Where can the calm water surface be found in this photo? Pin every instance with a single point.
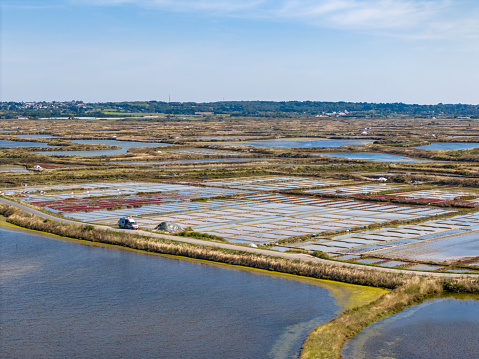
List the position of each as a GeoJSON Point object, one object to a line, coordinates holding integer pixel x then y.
{"type": "Point", "coordinates": [450, 146]}
{"type": "Point", "coordinates": [12, 169]}
{"type": "Point", "coordinates": [34, 136]}
{"type": "Point", "coordinates": [6, 143]}
{"type": "Point", "coordinates": [125, 146]}
{"type": "Point", "coordinates": [439, 329]}
{"type": "Point", "coordinates": [442, 249]}
{"type": "Point", "coordinates": [372, 156]}
{"type": "Point", "coordinates": [64, 300]}
{"type": "Point", "coordinates": [302, 143]}
{"type": "Point", "coordinates": [211, 160]}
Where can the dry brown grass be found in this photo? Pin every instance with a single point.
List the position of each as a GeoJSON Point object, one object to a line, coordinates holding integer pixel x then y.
{"type": "Point", "coordinates": [324, 342]}
{"type": "Point", "coordinates": [359, 276]}
{"type": "Point", "coordinates": [327, 340]}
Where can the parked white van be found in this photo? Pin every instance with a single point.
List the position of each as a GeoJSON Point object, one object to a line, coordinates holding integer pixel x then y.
{"type": "Point", "coordinates": [127, 223]}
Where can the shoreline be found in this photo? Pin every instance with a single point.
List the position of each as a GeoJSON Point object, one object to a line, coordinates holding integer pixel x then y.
{"type": "Point", "coordinates": [346, 297]}
{"type": "Point", "coordinates": [230, 246]}
{"type": "Point", "coordinates": [327, 340]}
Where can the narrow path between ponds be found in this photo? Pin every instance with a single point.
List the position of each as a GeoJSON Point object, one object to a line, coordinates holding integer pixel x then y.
{"type": "Point", "coordinates": [297, 256]}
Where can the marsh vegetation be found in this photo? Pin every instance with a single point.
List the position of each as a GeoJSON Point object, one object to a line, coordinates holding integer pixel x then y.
{"type": "Point", "coordinates": [440, 183]}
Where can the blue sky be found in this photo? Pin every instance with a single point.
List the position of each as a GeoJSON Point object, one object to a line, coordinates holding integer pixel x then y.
{"type": "Point", "coordinates": [422, 51]}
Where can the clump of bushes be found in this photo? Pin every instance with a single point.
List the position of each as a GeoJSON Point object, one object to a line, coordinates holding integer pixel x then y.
{"type": "Point", "coordinates": [320, 254]}
{"type": "Point", "coordinates": [199, 235]}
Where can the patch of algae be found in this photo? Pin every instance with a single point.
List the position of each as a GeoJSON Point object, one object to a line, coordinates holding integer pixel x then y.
{"type": "Point", "coordinates": [346, 296]}
{"type": "Point", "coordinates": [4, 223]}
{"type": "Point", "coordinates": [12, 227]}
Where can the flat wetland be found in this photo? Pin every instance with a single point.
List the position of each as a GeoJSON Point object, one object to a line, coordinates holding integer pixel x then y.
{"type": "Point", "coordinates": [152, 306]}
{"type": "Point", "coordinates": [398, 193]}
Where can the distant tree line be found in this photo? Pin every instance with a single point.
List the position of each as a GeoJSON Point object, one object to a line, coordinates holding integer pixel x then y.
{"type": "Point", "coordinates": [235, 108]}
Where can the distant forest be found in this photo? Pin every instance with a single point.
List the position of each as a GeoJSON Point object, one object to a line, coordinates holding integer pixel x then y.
{"type": "Point", "coordinates": [233, 108]}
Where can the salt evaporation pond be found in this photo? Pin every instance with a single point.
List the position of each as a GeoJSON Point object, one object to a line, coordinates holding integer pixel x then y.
{"type": "Point", "coordinates": [439, 329]}
{"type": "Point", "coordinates": [12, 169]}
{"type": "Point", "coordinates": [125, 146]}
{"type": "Point", "coordinates": [211, 160]}
{"type": "Point", "coordinates": [302, 143]}
{"type": "Point", "coordinates": [372, 156]}
{"type": "Point", "coordinates": [441, 249]}
{"type": "Point", "coordinates": [61, 299]}
{"type": "Point", "coordinates": [450, 146]}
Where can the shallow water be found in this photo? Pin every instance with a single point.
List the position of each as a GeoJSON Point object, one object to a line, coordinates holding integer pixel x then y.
{"type": "Point", "coordinates": [6, 143]}
{"type": "Point", "coordinates": [438, 329]}
{"type": "Point", "coordinates": [34, 136]}
{"type": "Point", "coordinates": [441, 249]}
{"type": "Point", "coordinates": [212, 160]}
{"type": "Point", "coordinates": [63, 299]}
{"type": "Point", "coordinates": [227, 137]}
{"type": "Point", "coordinates": [448, 146]}
{"type": "Point", "coordinates": [125, 146]}
{"type": "Point", "coordinates": [302, 143]}
{"type": "Point", "coordinates": [372, 156]}
{"type": "Point", "coordinates": [12, 169]}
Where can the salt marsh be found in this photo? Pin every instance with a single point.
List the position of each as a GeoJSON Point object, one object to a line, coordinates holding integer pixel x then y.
{"type": "Point", "coordinates": [440, 249]}
{"type": "Point", "coordinates": [247, 210]}
{"type": "Point", "coordinates": [361, 189]}
{"type": "Point", "coordinates": [12, 169]}
{"type": "Point", "coordinates": [255, 215]}
{"type": "Point", "coordinates": [450, 146]}
{"type": "Point", "coordinates": [372, 156]}
{"type": "Point", "coordinates": [125, 146]}
{"type": "Point", "coordinates": [301, 143]}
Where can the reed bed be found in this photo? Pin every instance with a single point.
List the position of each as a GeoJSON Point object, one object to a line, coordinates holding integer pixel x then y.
{"type": "Point", "coordinates": [325, 341]}
{"type": "Point", "coordinates": [359, 276]}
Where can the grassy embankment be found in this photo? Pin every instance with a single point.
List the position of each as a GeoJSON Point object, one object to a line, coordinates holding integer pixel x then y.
{"type": "Point", "coordinates": [327, 340]}
{"type": "Point", "coordinates": [235, 257]}
{"type": "Point", "coordinates": [324, 342]}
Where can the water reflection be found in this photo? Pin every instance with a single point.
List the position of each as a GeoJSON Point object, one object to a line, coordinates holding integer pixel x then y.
{"type": "Point", "coordinates": [6, 143]}
{"type": "Point", "coordinates": [302, 143]}
{"type": "Point", "coordinates": [450, 146]}
{"type": "Point", "coordinates": [442, 328]}
{"type": "Point", "coordinates": [61, 299]}
{"type": "Point", "coordinates": [373, 156]}
{"type": "Point", "coordinates": [125, 146]}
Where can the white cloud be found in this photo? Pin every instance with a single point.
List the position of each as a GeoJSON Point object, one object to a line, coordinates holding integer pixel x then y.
{"type": "Point", "coordinates": [231, 7]}
{"type": "Point", "coordinates": [417, 19]}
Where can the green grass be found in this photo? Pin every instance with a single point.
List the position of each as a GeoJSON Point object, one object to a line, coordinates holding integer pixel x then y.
{"type": "Point", "coordinates": [139, 114]}
{"type": "Point", "coordinates": [324, 342]}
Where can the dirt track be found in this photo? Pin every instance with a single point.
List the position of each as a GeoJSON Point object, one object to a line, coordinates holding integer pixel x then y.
{"type": "Point", "coordinates": [302, 257]}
